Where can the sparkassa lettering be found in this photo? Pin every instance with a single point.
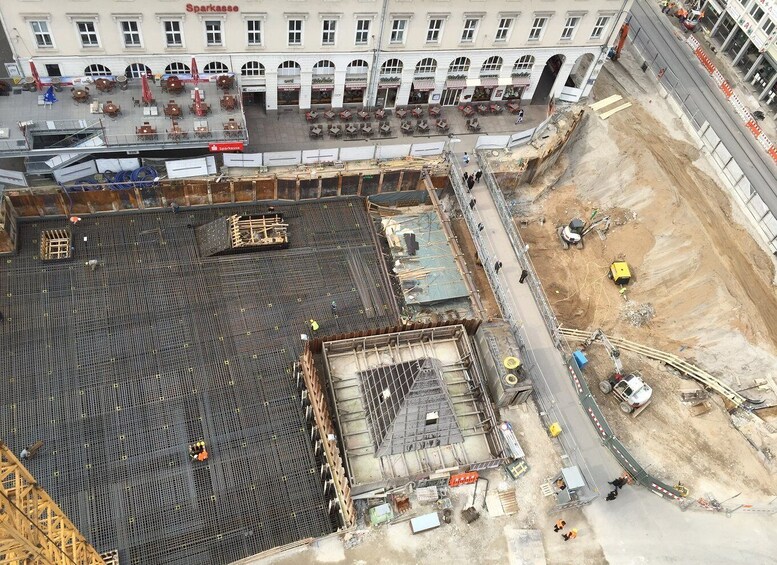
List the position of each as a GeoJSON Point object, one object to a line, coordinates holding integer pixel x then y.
{"type": "Point", "coordinates": [211, 8]}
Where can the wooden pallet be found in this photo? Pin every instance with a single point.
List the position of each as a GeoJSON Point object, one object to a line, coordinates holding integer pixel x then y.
{"type": "Point", "coordinates": [508, 501]}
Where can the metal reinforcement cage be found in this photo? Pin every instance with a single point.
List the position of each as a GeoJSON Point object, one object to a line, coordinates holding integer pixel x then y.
{"type": "Point", "coordinates": [122, 367]}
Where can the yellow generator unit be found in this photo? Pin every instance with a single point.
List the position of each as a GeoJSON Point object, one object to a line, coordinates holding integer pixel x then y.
{"type": "Point", "coordinates": [620, 272]}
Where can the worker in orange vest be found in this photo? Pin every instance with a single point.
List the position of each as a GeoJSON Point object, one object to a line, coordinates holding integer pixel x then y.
{"type": "Point", "coordinates": [560, 523]}
{"type": "Point", "coordinates": [571, 535]}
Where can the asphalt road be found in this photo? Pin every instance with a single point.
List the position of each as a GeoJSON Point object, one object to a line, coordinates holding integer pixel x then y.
{"type": "Point", "coordinates": [759, 168]}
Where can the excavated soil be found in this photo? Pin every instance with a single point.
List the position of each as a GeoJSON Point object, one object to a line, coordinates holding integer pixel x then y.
{"type": "Point", "coordinates": [707, 279]}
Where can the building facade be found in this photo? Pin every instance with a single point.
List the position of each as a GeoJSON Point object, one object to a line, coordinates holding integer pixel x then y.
{"type": "Point", "coordinates": [746, 31]}
{"type": "Point", "coordinates": [329, 52]}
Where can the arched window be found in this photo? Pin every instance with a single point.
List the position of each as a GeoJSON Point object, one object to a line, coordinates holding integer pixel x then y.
{"type": "Point", "coordinates": [252, 69]}
{"type": "Point", "coordinates": [289, 68]}
{"type": "Point", "coordinates": [357, 67]}
{"type": "Point", "coordinates": [137, 70]}
{"type": "Point", "coordinates": [460, 65]}
{"type": "Point", "coordinates": [426, 66]}
{"type": "Point", "coordinates": [97, 71]}
{"type": "Point", "coordinates": [492, 64]}
{"type": "Point", "coordinates": [324, 68]}
{"type": "Point", "coordinates": [177, 69]}
{"type": "Point", "coordinates": [215, 67]}
{"type": "Point", "coordinates": [523, 64]}
{"type": "Point", "coordinates": [391, 67]}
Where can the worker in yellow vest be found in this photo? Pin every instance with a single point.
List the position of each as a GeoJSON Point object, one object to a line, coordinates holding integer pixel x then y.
{"type": "Point", "coordinates": [313, 326]}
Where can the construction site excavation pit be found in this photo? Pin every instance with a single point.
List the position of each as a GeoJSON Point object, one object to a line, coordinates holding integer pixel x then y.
{"type": "Point", "coordinates": [119, 365]}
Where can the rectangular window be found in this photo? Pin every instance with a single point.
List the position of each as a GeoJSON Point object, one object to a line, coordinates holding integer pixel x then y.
{"type": "Point", "coordinates": [362, 32]}
{"type": "Point", "coordinates": [173, 35]}
{"type": "Point", "coordinates": [433, 32]}
{"type": "Point", "coordinates": [328, 28]}
{"type": "Point", "coordinates": [130, 32]}
{"type": "Point", "coordinates": [40, 29]}
{"type": "Point", "coordinates": [600, 26]}
{"type": "Point", "coordinates": [569, 27]}
{"type": "Point", "coordinates": [768, 26]}
{"type": "Point", "coordinates": [213, 36]}
{"type": "Point", "coordinates": [468, 33]}
{"type": "Point", "coordinates": [254, 30]}
{"type": "Point", "coordinates": [88, 34]}
{"type": "Point", "coordinates": [756, 12]}
{"type": "Point", "coordinates": [537, 28]}
{"type": "Point", "coordinates": [398, 31]}
{"type": "Point", "coordinates": [295, 32]}
{"type": "Point", "coordinates": [504, 29]}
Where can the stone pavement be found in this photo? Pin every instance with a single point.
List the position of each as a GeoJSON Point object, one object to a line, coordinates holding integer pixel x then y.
{"type": "Point", "coordinates": [287, 130]}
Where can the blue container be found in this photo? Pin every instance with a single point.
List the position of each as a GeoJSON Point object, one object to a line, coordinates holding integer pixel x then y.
{"type": "Point", "coordinates": [580, 359]}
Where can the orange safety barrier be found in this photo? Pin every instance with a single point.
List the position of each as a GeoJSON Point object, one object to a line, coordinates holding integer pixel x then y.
{"type": "Point", "coordinates": [463, 479]}
{"type": "Point", "coordinates": [752, 126]}
{"type": "Point", "coordinates": [773, 153]}
{"type": "Point", "coordinates": [727, 90]}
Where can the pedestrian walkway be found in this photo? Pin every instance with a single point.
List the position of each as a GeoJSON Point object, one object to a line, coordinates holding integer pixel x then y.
{"type": "Point", "coordinates": [549, 372]}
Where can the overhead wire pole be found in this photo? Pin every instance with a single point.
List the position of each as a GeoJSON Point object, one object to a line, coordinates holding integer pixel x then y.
{"type": "Point", "coordinates": [33, 529]}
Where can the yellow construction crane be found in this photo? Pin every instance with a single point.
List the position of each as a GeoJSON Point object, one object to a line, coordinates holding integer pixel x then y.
{"type": "Point", "coordinates": [33, 529]}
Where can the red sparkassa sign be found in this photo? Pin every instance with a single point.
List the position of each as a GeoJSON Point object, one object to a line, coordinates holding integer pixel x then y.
{"type": "Point", "coordinates": [229, 146]}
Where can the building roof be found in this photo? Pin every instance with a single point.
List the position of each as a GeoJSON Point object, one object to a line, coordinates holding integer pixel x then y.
{"type": "Point", "coordinates": [408, 407]}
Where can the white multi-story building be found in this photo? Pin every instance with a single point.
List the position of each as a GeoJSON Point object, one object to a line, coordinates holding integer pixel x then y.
{"type": "Point", "coordinates": [331, 52]}
{"type": "Point", "coordinates": [746, 30]}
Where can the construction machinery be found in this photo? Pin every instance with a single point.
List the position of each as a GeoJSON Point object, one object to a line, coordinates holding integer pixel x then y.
{"type": "Point", "coordinates": [33, 529]}
{"type": "Point", "coordinates": [573, 233]}
{"type": "Point", "coordinates": [634, 394]}
{"type": "Point", "coordinates": [688, 14]}
{"type": "Point", "coordinates": [620, 273]}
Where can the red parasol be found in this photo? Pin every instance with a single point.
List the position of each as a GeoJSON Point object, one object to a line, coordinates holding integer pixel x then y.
{"type": "Point", "coordinates": [198, 109]}
{"type": "Point", "coordinates": [36, 76]}
{"type": "Point", "coordinates": [148, 98]}
{"type": "Point", "coordinates": [195, 72]}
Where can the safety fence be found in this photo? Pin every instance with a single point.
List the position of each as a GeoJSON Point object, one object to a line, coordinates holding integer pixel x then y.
{"type": "Point", "coordinates": [333, 154]}
{"type": "Point", "coordinates": [547, 405]}
{"type": "Point", "coordinates": [738, 175]}
{"type": "Point", "coordinates": [611, 442]}
{"type": "Point", "coordinates": [549, 411]}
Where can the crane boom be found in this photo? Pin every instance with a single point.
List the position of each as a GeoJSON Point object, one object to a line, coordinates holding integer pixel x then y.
{"type": "Point", "coordinates": [33, 529]}
{"type": "Point", "coordinates": [613, 351]}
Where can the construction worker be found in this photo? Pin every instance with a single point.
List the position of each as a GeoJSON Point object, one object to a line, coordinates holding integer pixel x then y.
{"type": "Point", "coordinates": [560, 523]}
{"type": "Point", "coordinates": [612, 495]}
{"type": "Point", "coordinates": [313, 326]}
{"type": "Point", "coordinates": [334, 308]}
{"type": "Point", "coordinates": [560, 484]}
{"type": "Point", "coordinates": [618, 483]}
{"type": "Point", "coordinates": [25, 454]}
{"type": "Point", "coordinates": [571, 535]}
{"type": "Point", "coordinates": [92, 264]}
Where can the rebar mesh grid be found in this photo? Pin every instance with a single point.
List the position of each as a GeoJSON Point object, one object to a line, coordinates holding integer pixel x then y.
{"type": "Point", "coordinates": [120, 368]}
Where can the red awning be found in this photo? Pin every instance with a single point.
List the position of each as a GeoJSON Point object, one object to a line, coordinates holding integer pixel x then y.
{"type": "Point", "coordinates": [324, 86]}
{"type": "Point", "coordinates": [456, 83]}
{"type": "Point", "coordinates": [489, 82]}
{"type": "Point", "coordinates": [356, 84]}
{"type": "Point", "coordinates": [423, 84]}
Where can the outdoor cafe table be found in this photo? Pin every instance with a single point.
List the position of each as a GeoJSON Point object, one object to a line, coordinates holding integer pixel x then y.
{"type": "Point", "coordinates": [111, 109]}
{"type": "Point", "coordinates": [146, 132]}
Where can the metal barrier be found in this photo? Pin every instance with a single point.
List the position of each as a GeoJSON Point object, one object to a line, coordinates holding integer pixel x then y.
{"type": "Point", "coordinates": [549, 412]}
{"type": "Point", "coordinates": [585, 397]}
{"type": "Point", "coordinates": [735, 173]}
